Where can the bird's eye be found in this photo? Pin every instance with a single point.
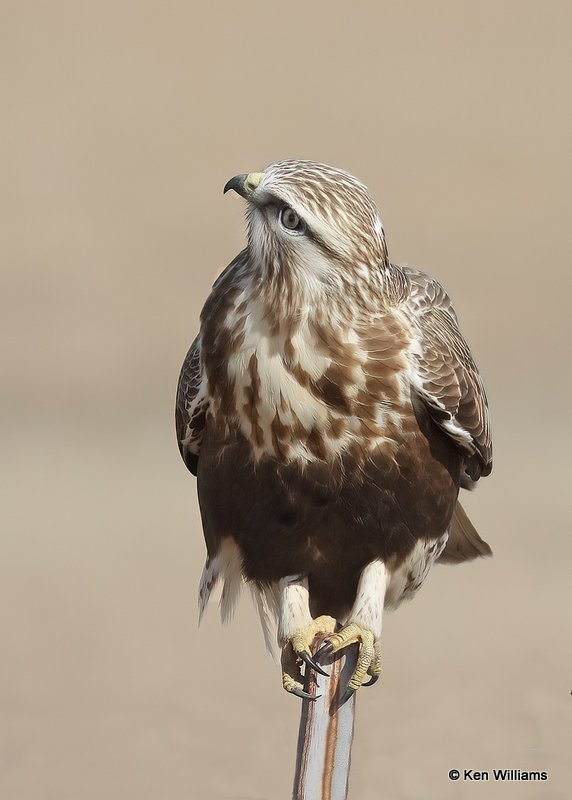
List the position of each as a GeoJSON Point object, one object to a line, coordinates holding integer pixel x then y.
{"type": "Point", "coordinates": [291, 220]}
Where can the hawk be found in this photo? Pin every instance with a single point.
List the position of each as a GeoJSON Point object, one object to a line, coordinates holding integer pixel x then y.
{"type": "Point", "coordinates": [331, 410]}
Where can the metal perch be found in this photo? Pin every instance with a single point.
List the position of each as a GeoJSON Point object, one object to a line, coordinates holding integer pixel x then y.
{"type": "Point", "coordinates": [326, 730]}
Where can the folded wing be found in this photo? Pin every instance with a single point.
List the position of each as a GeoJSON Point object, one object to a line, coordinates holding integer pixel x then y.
{"type": "Point", "coordinates": [191, 407]}
{"type": "Point", "coordinates": [452, 390]}
{"type": "Point", "coordinates": [449, 382]}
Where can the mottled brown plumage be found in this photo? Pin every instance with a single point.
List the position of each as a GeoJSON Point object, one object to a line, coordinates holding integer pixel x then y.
{"type": "Point", "coordinates": [329, 406]}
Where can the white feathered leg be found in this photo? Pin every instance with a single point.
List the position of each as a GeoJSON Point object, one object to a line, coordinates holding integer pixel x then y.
{"type": "Point", "coordinates": [297, 630]}
{"type": "Point", "coordinates": [363, 626]}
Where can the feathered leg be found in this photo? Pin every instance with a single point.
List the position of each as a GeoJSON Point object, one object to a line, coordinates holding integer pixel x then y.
{"type": "Point", "coordinates": [297, 630]}
{"type": "Point", "coordinates": [364, 626]}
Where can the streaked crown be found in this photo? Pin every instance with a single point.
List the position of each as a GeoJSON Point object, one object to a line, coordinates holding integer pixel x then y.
{"type": "Point", "coordinates": [336, 207]}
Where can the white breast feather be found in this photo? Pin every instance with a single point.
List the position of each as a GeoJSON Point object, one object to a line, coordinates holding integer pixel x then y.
{"type": "Point", "coordinates": [281, 394]}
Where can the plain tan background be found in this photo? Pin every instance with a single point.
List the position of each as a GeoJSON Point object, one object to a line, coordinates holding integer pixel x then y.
{"type": "Point", "coordinates": [121, 122]}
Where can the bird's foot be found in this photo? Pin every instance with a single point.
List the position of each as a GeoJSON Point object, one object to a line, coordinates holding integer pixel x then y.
{"type": "Point", "coordinates": [369, 658]}
{"type": "Point", "coordinates": [297, 650]}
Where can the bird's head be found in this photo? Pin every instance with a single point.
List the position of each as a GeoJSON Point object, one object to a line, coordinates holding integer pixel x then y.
{"type": "Point", "coordinates": [313, 221]}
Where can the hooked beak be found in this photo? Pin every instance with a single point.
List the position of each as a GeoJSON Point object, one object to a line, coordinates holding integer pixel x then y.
{"type": "Point", "coordinates": [244, 185]}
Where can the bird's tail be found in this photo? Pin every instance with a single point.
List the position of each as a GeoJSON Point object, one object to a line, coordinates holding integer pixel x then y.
{"type": "Point", "coordinates": [266, 602]}
{"type": "Point", "coordinates": [464, 543]}
{"type": "Point", "coordinates": [225, 566]}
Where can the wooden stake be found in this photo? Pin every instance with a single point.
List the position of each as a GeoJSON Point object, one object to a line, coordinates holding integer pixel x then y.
{"type": "Point", "coordinates": [326, 731]}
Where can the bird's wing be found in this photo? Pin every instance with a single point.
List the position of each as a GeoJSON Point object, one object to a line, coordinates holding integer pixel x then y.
{"type": "Point", "coordinates": [192, 390]}
{"type": "Point", "coordinates": [191, 407]}
{"type": "Point", "coordinates": [449, 382]}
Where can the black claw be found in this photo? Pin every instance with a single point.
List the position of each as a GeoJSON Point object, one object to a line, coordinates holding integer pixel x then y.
{"type": "Point", "coordinates": [304, 695]}
{"type": "Point", "coordinates": [346, 695]}
{"type": "Point", "coordinates": [372, 680]}
{"type": "Point", "coordinates": [311, 663]}
{"type": "Point", "coordinates": [324, 650]}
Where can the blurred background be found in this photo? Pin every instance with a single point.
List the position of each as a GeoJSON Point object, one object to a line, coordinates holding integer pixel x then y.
{"type": "Point", "coordinates": [121, 122]}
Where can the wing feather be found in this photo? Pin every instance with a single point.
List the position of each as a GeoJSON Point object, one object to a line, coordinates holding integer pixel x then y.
{"type": "Point", "coordinates": [190, 407]}
{"type": "Point", "coordinates": [450, 384]}
{"type": "Point", "coordinates": [192, 390]}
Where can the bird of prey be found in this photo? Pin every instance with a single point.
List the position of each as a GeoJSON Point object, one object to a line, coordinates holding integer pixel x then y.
{"type": "Point", "coordinates": [331, 410]}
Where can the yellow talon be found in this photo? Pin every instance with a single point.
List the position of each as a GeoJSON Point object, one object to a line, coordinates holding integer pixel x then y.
{"type": "Point", "coordinates": [369, 658]}
{"type": "Point", "coordinates": [302, 640]}
{"type": "Point", "coordinates": [298, 649]}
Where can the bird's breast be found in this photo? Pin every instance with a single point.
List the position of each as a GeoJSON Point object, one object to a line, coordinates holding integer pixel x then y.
{"type": "Point", "coordinates": [308, 390]}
